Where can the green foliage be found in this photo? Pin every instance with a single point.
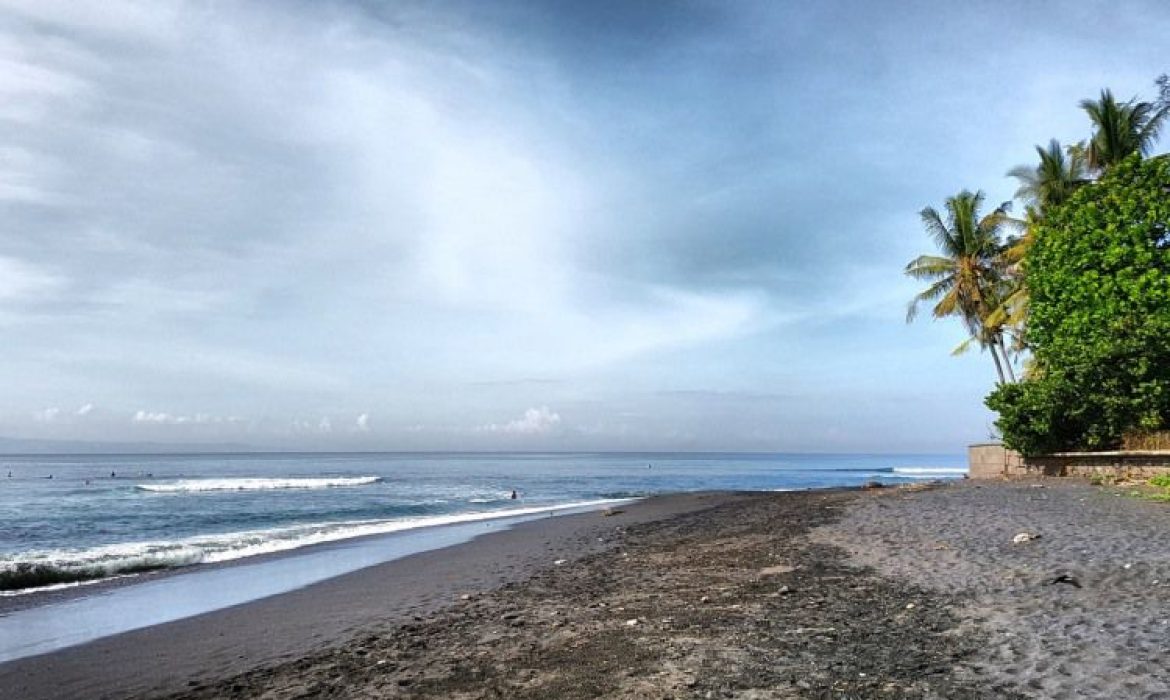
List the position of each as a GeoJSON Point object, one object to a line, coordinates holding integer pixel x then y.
{"type": "Point", "coordinates": [1100, 479]}
{"type": "Point", "coordinates": [1161, 488]}
{"type": "Point", "coordinates": [1099, 278]}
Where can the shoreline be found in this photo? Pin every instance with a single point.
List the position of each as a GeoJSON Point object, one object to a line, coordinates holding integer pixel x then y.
{"type": "Point", "coordinates": [165, 657]}
{"type": "Point", "coordinates": [12, 602]}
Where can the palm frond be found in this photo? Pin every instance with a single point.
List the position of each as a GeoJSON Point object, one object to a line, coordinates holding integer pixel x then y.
{"type": "Point", "coordinates": [929, 267]}
{"type": "Point", "coordinates": [963, 346]}
{"type": "Point", "coordinates": [937, 229]}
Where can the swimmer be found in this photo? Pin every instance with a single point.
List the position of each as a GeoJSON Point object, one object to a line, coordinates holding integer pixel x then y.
{"type": "Point", "coordinates": [514, 495]}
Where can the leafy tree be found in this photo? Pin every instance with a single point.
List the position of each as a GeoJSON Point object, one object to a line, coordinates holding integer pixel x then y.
{"type": "Point", "coordinates": [1099, 325]}
{"type": "Point", "coordinates": [1059, 173]}
{"type": "Point", "coordinates": [1121, 129]}
{"type": "Point", "coordinates": [966, 279]}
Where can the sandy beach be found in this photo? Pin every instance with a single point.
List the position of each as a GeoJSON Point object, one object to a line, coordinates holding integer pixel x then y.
{"type": "Point", "coordinates": [894, 592]}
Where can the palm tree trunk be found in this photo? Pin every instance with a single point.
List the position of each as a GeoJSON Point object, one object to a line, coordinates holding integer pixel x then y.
{"type": "Point", "coordinates": [1006, 359]}
{"type": "Point", "coordinates": [998, 365]}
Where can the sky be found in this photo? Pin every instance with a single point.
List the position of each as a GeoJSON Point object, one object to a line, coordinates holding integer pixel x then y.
{"type": "Point", "coordinates": [468, 225]}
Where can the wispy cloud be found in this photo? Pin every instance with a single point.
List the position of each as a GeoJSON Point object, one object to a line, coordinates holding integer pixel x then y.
{"type": "Point", "coordinates": [535, 421]}
{"type": "Point", "coordinates": [23, 281]}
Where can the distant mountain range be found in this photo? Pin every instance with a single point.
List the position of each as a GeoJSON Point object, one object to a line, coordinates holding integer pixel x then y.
{"type": "Point", "coordinates": [14, 446]}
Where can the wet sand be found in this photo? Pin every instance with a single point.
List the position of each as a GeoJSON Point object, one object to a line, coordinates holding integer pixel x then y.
{"type": "Point", "coordinates": [886, 593]}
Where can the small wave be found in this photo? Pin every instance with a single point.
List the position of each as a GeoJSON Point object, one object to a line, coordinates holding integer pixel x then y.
{"type": "Point", "coordinates": [257, 484]}
{"type": "Point", "coordinates": [38, 570]}
{"type": "Point", "coordinates": [935, 472]}
{"type": "Point", "coordinates": [482, 496]}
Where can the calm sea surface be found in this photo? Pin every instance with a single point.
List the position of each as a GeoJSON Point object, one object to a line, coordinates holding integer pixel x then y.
{"type": "Point", "coordinates": [70, 519]}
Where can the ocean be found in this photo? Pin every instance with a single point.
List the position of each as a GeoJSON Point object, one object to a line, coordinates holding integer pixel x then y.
{"type": "Point", "coordinates": [69, 520]}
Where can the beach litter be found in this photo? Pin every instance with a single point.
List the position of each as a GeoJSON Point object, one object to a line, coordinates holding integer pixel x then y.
{"type": "Point", "coordinates": [1025, 537]}
{"type": "Point", "coordinates": [1066, 579]}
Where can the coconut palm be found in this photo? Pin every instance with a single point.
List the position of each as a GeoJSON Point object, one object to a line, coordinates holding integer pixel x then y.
{"type": "Point", "coordinates": [1121, 129]}
{"type": "Point", "coordinates": [966, 277]}
{"type": "Point", "coordinates": [1053, 180]}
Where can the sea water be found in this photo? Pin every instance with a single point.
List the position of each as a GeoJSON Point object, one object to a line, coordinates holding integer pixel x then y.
{"type": "Point", "coordinates": [70, 520]}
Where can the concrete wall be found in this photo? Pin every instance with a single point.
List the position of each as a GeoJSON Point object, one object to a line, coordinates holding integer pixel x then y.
{"type": "Point", "coordinates": [987, 461]}
{"type": "Point", "coordinates": [994, 461]}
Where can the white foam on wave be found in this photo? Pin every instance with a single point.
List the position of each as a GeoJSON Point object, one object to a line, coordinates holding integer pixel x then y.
{"type": "Point", "coordinates": [119, 559]}
{"type": "Point", "coordinates": [491, 497]}
{"type": "Point", "coordinates": [936, 472]}
{"type": "Point", "coordinates": [61, 586]}
{"type": "Point", "coordinates": [258, 484]}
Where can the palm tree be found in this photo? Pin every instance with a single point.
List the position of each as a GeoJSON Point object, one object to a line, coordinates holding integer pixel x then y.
{"type": "Point", "coordinates": [1121, 129]}
{"type": "Point", "coordinates": [1051, 182]}
{"type": "Point", "coordinates": [967, 278]}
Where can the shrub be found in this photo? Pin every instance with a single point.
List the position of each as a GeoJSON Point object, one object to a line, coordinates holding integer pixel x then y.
{"type": "Point", "coordinates": [1099, 278]}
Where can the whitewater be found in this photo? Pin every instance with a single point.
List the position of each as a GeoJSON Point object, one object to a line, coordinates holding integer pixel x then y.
{"type": "Point", "coordinates": [257, 484]}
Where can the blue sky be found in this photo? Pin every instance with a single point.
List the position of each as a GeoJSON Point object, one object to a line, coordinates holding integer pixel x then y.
{"type": "Point", "coordinates": [513, 225]}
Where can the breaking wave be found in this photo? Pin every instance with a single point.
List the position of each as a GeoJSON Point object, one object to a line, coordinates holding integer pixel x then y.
{"type": "Point", "coordinates": [258, 484]}
{"type": "Point", "coordinates": [38, 570]}
{"type": "Point", "coordinates": [931, 472]}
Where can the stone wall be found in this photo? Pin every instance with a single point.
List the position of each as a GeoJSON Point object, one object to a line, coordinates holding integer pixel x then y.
{"type": "Point", "coordinates": [994, 461]}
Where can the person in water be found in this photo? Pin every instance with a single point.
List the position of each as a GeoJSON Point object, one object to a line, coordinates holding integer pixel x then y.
{"type": "Point", "coordinates": [514, 495]}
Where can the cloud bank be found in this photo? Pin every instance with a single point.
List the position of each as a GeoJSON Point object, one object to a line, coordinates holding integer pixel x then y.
{"type": "Point", "coordinates": [304, 214]}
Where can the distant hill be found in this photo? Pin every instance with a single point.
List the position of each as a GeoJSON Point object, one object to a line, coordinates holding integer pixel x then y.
{"type": "Point", "coordinates": [12, 446]}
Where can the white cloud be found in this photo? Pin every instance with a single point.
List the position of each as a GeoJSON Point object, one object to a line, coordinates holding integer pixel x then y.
{"type": "Point", "coordinates": [47, 415]}
{"type": "Point", "coordinates": [156, 417]}
{"type": "Point", "coordinates": [363, 423]}
{"type": "Point", "coordinates": [325, 425]}
{"type": "Point", "coordinates": [535, 421]}
{"type": "Point", "coordinates": [163, 418]}
{"type": "Point", "coordinates": [85, 409]}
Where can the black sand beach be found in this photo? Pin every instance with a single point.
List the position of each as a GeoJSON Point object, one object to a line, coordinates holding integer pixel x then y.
{"type": "Point", "coordinates": [907, 592]}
